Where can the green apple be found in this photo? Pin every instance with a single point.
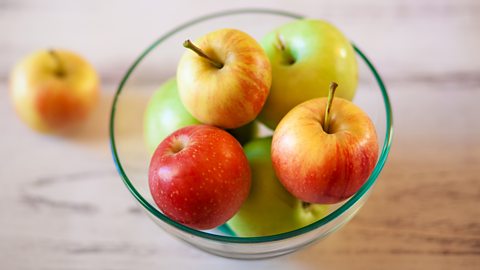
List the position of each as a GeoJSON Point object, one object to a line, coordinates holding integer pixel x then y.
{"type": "Point", "coordinates": [306, 56]}
{"type": "Point", "coordinates": [269, 208]}
{"type": "Point", "coordinates": [164, 115]}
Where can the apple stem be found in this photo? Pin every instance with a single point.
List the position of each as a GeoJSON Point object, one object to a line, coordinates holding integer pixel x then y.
{"type": "Point", "coordinates": [60, 69]}
{"type": "Point", "coordinates": [281, 46]}
{"type": "Point", "coordinates": [280, 43]}
{"type": "Point", "coordinates": [331, 94]}
{"type": "Point", "coordinates": [189, 45]}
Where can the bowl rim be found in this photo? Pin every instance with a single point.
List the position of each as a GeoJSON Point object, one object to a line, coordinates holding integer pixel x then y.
{"type": "Point", "coordinates": [259, 239]}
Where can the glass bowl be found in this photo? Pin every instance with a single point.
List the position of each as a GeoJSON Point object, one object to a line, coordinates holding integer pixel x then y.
{"type": "Point", "coordinates": [157, 64]}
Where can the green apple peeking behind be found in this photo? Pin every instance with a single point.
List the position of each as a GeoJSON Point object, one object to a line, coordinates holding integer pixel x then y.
{"type": "Point", "coordinates": [269, 208]}
{"type": "Point", "coordinates": [306, 55]}
{"type": "Point", "coordinates": [245, 133]}
{"type": "Point", "coordinates": [165, 114]}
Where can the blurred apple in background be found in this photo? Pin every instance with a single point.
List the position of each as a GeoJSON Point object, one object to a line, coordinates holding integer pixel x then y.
{"type": "Point", "coordinates": [306, 55]}
{"type": "Point", "coordinates": [224, 79]}
{"type": "Point", "coordinates": [53, 90]}
{"type": "Point", "coordinates": [324, 157]}
{"type": "Point", "coordinates": [269, 208]}
{"type": "Point", "coordinates": [165, 114]}
{"type": "Point", "coordinates": [199, 176]}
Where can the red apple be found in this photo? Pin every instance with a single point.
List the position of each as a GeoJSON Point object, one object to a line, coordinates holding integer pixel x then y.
{"type": "Point", "coordinates": [321, 162]}
{"type": "Point", "coordinates": [199, 176]}
{"type": "Point", "coordinates": [224, 81]}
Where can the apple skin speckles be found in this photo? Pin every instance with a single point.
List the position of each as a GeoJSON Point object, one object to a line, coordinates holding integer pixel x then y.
{"type": "Point", "coordinates": [204, 184]}
{"type": "Point", "coordinates": [320, 167]}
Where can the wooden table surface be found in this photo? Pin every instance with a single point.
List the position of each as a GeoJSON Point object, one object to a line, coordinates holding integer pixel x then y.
{"type": "Point", "coordinates": [63, 206]}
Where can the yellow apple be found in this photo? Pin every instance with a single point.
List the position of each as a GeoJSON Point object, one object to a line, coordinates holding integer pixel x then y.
{"type": "Point", "coordinates": [225, 80]}
{"type": "Point", "coordinates": [53, 90]}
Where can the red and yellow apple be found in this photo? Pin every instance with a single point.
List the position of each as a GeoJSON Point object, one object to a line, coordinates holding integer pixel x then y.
{"type": "Point", "coordinates": [53, 90]}
{"type": "Point", "coordinates": [224, 79]}
{"type": "Point", "coordinates": [321, 162]}
{"type": "Point", "coordinates": [199, 176]}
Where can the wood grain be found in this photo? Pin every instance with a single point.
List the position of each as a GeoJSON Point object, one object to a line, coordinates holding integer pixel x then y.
{"type": "Point", "coordinates": [63, 206]}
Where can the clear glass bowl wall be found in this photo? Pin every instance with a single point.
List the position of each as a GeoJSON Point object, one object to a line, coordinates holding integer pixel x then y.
{"type": "Point", "coordinates": [157, 64]}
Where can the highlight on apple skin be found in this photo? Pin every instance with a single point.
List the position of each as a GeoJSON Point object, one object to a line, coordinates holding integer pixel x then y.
{"type": "Point", "coordinates": [53, 90]}
{"type": "Point", "coordinates": [199, 176]}
{"type": "Point", "coordinates": [324, 166]}
{"type": "Point", "coordinates": [224, 78]}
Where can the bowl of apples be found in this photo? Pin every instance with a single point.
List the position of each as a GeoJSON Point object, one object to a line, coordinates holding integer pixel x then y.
{"type": "Point", "coordinates": [251, 133]}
